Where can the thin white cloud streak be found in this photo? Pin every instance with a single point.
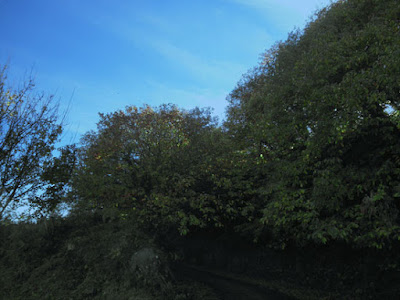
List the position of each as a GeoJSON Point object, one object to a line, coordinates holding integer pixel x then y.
{"type": "Point", "coordinates": [257, 4]}
{"type": "Point", "coordinates": [284, 12]}
{"type": "Point", "coordinates": [197, 66]}
{"type": "Point", "coordinates": [291, 5]}
{"type": "Point", "coordinates": [158, 23]}
{"type": "Point", "coordinates": [194, 65]}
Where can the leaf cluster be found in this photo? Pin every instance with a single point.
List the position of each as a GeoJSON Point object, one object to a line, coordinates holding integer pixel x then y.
{"type": "Point", "coordinates": [321, 109]}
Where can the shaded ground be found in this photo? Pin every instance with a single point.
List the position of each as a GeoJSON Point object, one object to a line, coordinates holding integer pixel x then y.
{"type": "Point", "coordinates": [226, 287]}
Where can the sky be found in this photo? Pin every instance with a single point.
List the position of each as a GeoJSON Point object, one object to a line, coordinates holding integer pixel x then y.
{"type": "Point", "coordinates": [102, 55]}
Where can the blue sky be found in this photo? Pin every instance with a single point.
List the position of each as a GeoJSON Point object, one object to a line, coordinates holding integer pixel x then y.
{"type": "Point", "coordinates": [107, 54]}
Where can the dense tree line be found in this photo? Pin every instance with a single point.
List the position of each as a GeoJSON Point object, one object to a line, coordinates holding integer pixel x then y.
{"type": "Point", "coordinates": [309, 153]}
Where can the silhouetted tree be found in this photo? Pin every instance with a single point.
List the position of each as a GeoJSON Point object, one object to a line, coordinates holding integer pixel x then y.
{"type": "Point", "coordinates": [29, 127]}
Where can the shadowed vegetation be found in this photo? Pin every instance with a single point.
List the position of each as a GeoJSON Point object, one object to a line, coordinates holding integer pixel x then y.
{"type": "Point", "coordinates": [307, 163]}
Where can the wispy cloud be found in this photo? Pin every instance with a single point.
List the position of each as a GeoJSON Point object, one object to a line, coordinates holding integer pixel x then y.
{"type": "Point", "coordinates": [166, 36]}
{"type": "Point", "coordinates": [295, 5]}
{"type": "Point", "coordinates": [257, 4]}
{"type": "Point", "coordinates": [186, 61]}
{"type": "Point", "coordinates": [285, 13]}
{"type": "Point", "coordinates": [195, 65]}
{"type": "Point", "coordinates": [158, 23]}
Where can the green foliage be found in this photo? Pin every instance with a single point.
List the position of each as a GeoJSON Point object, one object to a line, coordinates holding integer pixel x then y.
{"type": "Point", "coordinates": [309, 152]}
{"type": "Point", "coordinates": [157, 164]}
{"type": "Point", "coordinates": [56, 176]}
{"type": "Point", "coordinates": [77, 258]}
{"type": "Point", "coordinates": [309, 155]}
{"type": "Point", "coordinates": [322, 112]}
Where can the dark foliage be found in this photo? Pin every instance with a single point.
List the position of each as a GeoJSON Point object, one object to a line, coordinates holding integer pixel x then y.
{"type": "Point", "coordinates": [321, 112]}
{"type": "Point", "coordinates": [307, 161]}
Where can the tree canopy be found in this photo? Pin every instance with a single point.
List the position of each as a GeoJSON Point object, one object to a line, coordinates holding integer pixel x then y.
{"type": "Point", "coordinates": [307, 157]}
{"type": "Point", "coordinates": [309, 151]}
{"type": "Point", "coordinates": [152, 162]}
{"type": "Point", "coordinates": [321, 109]}
{"type": "Point", "coordinates": [30, 125]}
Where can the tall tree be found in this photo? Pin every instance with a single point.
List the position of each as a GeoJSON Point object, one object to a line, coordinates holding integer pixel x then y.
{"type": "Point", "coordinates": [154, 162]}
{"type": "Point", "coordinates": [29, 127]}
{"type": "Point", "coordinates": [322, 110]}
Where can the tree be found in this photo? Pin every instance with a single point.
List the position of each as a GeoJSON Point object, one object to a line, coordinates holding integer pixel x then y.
{"type": "Point", "coordinates": [56, 177]}
{"type": "Point", "coordinates": [322, 111]}
{"type": "Point", "coordinates": [170, 168]}
{"type": "Point", "coordinates": [136, 157]}
{"type": "Point", "coordinates": [29, 127]}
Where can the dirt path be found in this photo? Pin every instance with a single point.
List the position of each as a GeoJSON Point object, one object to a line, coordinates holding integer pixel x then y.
{"type": "Point", "coordinates": [226, 287]}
